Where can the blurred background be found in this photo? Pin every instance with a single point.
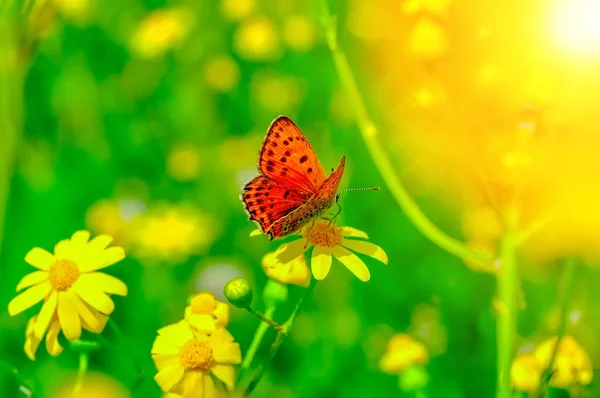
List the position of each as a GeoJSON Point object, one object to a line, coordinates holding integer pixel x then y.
{"type": "Point", "coordinates": [143, 119]}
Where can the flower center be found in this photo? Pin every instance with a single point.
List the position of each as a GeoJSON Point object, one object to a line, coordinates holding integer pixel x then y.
{"type": "Point", "coordinates": [204, 303]}
{"type": "Point", "coordinates": [196, 354]}
{"type": "Point", "coordinates": [324, 234]}
{"type": "Point", "coordinates": [62, 274]}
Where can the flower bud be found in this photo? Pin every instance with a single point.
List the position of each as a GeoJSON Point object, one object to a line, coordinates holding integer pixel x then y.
{"type": "Point", "coordinates": [275, 293]}
{"type": "Point", "coordinates": [238, 292]}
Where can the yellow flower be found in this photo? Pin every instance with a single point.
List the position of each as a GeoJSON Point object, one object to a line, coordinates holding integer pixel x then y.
{"type": "Point", "coordinates": [572, 364]}
{"type": "Point", "coordinates": [160, 31]}
{"type": "Point", "coordinates": [105, 217]}
{"type": "Point", "coordinates": [402, 351]}
{"type": "Point", "coordinates": [77, 11]}
{"type": "Point", "coordinates": [331, 241]}
{"type": "Point", "coordinates": [294, 272]}
{"type": "Point", "coordinates": [236, 10]}
{"type": "Point", "coordinates": [427, 40]}
{"type": "Point", "coordinates": [299, 33]}
{"type": "Point", "coordinates": [222, 73]}
{"type": "Point", "coordinates": [193, 364]}
{"type": "Point", "coordinates": [525, 373]}
{"type": "Point", "coordinates": [93, 385]}
{"type": "Point", "coordinates": [256, 40]}
{"type": "Point", "coordinates": [184, 162]}
{"type": "Point", "coordinates": [205, 313]}
{"type": "Point", "coordinates": [172, 233]}
{"type": "Point", "coordinates": [73, 291]}
{"type": "Point", "coordinates": [32, 342]}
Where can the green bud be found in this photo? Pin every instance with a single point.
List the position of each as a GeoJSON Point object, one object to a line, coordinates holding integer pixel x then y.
{"type": "Point", "coordinates": [238, 292]}
{"type": "Point", "coordinates": [275, 293]}
{"type": "Point", "coordinates": [413, 378]}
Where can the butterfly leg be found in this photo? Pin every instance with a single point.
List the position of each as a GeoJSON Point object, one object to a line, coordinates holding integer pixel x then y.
{"type": "Point", "coordinates": [339, 210]}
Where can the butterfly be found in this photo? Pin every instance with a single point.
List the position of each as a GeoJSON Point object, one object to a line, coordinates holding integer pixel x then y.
{"type": "Point", "coordinates": [292, 189]}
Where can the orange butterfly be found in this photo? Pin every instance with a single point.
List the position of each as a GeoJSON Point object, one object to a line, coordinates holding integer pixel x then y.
{"type": "Point", "coordinates": [292, 189]}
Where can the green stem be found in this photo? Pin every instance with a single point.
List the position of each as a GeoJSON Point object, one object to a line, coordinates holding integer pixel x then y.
{"type": "Point", "coordinates": [380, 158]}
{"type": "Point", "coordinates": [507, 314]}
{"type": "Point", "coordinates": [256, 340]}
{"type": "Point", "coordinates": [567, 282]}
{"type": "Point", "coordinates": [81, 371]}
{"type": "Point", "coordinates": [278, 340]}
{"type": "Point", "coordinates": [266, 320]}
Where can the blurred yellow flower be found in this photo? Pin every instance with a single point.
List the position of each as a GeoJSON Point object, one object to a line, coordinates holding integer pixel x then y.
{"type": "Point", "coordinates": [105, 217]}
{"type": "Point", "coordinates": [266, 85]}
{"type": "Point", "coordinates": [402, 351]}
{"type": "Point", "coordinates": [222, 73]}
{"type": "Point", "coordinates": [184, 162]}
{"type": "Point", "coordinates": [189, 362]}
{"type": "Point", "coordinates": [172, 233]}
{"type": "Point", "coordinates": [160, 31]}
{"type": "Point", "coordinates": [436, 7]}
{"type": "Point", "coordinates": [256, 40]}
{"type": "Point", "coordinates": [370, 20]}
{"type": "Point", "coordinates": [525, 373]}
{"type": "Point", "coordinates": [482, 223]}
{"type": "Point", "coordinates": [236, 10]}
{"type": "Point", "coordinates": [77, 11]}
{"type": "Point", "coordinates": [205, 313]}
{"type": "Point", "coordinates": [331, 241]}
{"type": "Point", "coordinates": [572, 364]}
{"type": "Point", "coordinates": [93, 385]}
{"type": "Point", "coordinates": [427, 39]}
{"type": "Point", "coordinates": [68, 282]}
{"type": "Point", "coordinates": [294, 272]}
{"type": "Point", "coordinates": [299, 33]}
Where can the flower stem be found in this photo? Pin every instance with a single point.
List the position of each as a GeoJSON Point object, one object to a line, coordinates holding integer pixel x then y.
{"type": "Point", "coordinates": [256, 340]}
{"type": "Point", "coordinates": [567, 282]}
{"type": "Point", "coordinates": [506, 323]}
{"type": "Point", "coordinates": [81, 371]}
{"type": "Point", "coordinates": [266, 320]}
{"type": "Point", "coordinates": [278, 340]}
{"type": "Point", "coordinates": [380, 158]}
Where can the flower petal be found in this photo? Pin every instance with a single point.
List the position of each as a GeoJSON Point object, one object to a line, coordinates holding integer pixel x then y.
{"type": "Point", "coordinates": [162, 361]}
{"type": "Point", "coordinates": [94, 297]}
{"type": "Point", "coordinates": [40, 258]}
{"type": "Point", "coordinates": [289, 251]}
{"type": "Point", "coordinates": [225, 373]}
{"type": "Point", "coordinates": [227, 353]}
{"type": "Point", "coordinates": [367, 248]}
{"type": "Point", "coordinates": [222, 314]}
{"type": "Point", "coordinates": [256, 232]}
{"type": "Point", "coordinates": [220, 336]}
{"type": "Point", "coordinates": [52, 344]}
{"type": "Point", "coordinates": [100, 242]}
{"type": "Point", "coordinates": [169, 376]}
{"type": "Point", "coordinates": [352, 262]}
{"type": "Point", "coordinates": [31, 342]}
{"type": "Point", "coordinates": [353, 232]}
{"type": "Point", "coordinates": [106, 258]}
{"type": "Point", "coordinates": [194, 385]}
{"type": "Point", "coordinates": [177, 334]}
{"type": "Point", "coordinates": [106, 283]}
{"type": "Point", "coordinates": [90, 319]}
{"type": "Point", "coordinates": [46, 314]}
{"type": "Point", "coordinates": [163, 346]}
{"type": "Point", "coordinates": [32, 279]}
{"type": "Point", "coordinates": [68, 316]}
{"type": "Point", "coordinates": [80, 237]}
{"type": "Point", "coordinates": [202, 322]}
{"type": "Point", "coordinates": [320, 262]}
{"type": "Point", "coordinates": [65, 250]}
{"type": "Point", "coordinates": [209, 387]}
{"type": "Point", "coordinates": [29, 298]}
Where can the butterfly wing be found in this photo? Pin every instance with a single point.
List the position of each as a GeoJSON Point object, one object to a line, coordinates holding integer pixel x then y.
{"type": "Point", "coordinates": [287, 156]}
{"type": "Point", "coordinates": [267, 201]}
{"type": "Point", "coordinates": [314, 206]}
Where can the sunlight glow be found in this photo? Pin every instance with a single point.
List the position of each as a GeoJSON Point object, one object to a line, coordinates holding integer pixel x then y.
{"type": "Point", "coordinates": [577, 26]}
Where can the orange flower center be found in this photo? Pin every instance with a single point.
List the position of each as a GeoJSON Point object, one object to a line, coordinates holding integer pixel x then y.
{"type": "Point", "coordinates": [62, 274]}
{"type": "Point", "coordinates": [324, 234]}
{"type": "Point", "coordinates": [196, 354]}
{"type": "Point", "coordinates": [204, 303]}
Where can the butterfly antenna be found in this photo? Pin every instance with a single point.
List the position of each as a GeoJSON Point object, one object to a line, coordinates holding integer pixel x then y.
{"type": "Point", "coordinates": [360, 189]}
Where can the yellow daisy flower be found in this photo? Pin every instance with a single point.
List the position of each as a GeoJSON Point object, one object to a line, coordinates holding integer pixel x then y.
{"type": "Point", "coordinates": [205, 313]}
{"type": "Point", "coordinates": [402, 351]}
{"type": "Point", "coordinates": [193, 364]}
{"type": "Point", "coordinates": [160, 31]}
{"type": "Point", "coordinates": [572, 364]}
{"type": "Point", "coordinates": [74, 293]}
{"type": "Point", "coordinates": [331, 241]}
{"type": "Point", "coordinates": [295, 272]}
{"type": "Point", "coordinates": [525, 373]}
